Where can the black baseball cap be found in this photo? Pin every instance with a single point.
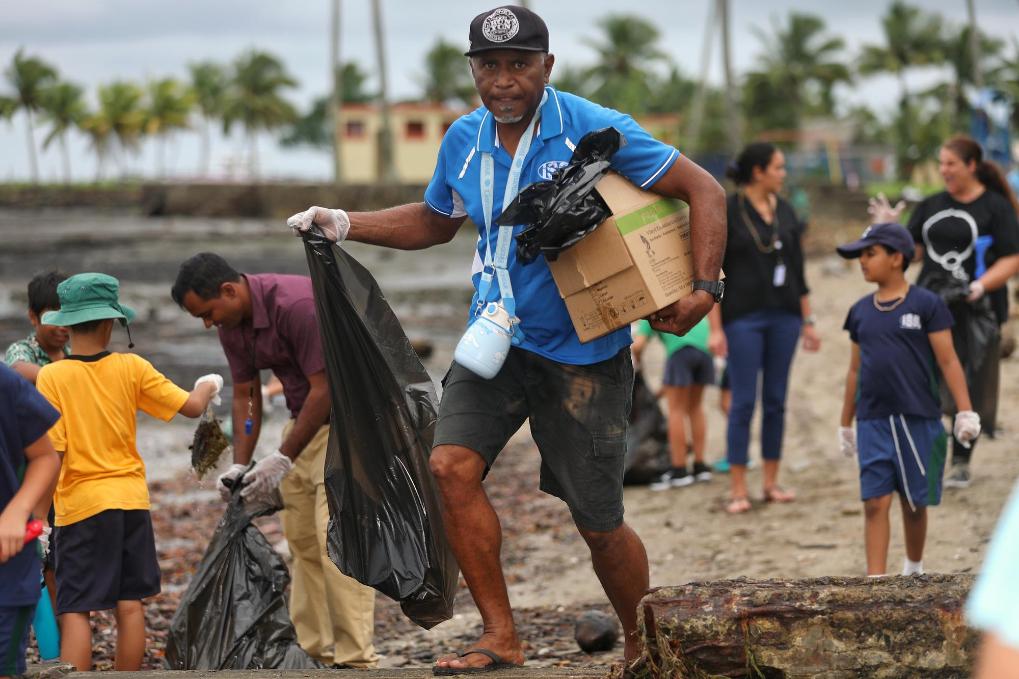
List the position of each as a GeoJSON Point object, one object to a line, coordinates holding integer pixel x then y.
{"type": "Point", "coordinates": [508, 28]}
{"type": "Point", "coordinates": [894, 236]}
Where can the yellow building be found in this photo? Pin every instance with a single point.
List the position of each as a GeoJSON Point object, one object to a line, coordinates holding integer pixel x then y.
{"type": "Point", "coordinates": [418, 129]}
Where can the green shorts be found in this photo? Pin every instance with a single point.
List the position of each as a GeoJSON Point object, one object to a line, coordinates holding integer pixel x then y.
{"type": "Point", "coordinates": [578, 416]}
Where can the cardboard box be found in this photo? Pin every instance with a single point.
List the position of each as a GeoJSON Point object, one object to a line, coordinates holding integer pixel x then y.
{"type": "Point", "coordinates": [636, 262]}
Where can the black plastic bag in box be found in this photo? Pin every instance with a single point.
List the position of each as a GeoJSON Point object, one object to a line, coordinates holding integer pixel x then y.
{"type": "Point", "coordinates": [561, 211]}
{"type": "Point", "coordinates": [234, 614]}
{"type": "Point", "coordinates": [385, 519]}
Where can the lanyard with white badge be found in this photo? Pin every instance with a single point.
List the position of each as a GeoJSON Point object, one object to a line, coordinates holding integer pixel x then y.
{"type": "Point", "coordinates": [497, 268]}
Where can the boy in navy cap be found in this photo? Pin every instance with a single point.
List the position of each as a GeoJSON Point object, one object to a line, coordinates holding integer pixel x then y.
{"type": "Point", "coordinates": [898, 333]}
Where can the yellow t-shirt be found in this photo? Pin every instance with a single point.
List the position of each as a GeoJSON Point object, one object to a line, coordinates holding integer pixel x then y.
{"type": "Point", "coordinates": [98, 399]}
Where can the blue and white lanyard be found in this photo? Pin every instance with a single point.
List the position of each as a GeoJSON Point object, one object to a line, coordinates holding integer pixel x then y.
{"type": "Point", "coordinates": [497, 268]}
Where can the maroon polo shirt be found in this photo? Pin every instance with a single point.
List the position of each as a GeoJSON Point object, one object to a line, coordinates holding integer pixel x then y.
{"type": "Point", "coordinates": [282, 336]}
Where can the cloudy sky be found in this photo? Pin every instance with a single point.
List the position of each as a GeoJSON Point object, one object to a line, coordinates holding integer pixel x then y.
{"type": "Point", "coordinates": [97, 41]}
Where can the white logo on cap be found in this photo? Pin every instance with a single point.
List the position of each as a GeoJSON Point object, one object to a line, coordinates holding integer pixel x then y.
{"type": "Point", "coordinates": [500, 26]}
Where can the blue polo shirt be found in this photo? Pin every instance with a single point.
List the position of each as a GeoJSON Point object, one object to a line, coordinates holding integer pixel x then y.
{"type": "Point", "coordinates": [25, 417]}
{"type": "Point", "coordinates": [455, 191]}
{"type": "Point", "coordinates": [898, 372]}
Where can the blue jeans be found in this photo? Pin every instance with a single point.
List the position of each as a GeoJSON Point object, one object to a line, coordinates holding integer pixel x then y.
{"type": "Point", "coordinates": [761, 344]}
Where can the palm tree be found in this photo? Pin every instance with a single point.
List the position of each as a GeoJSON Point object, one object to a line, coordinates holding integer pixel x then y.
{"type": "Point", "coordinates": [120, 110]}
{"type": "Point", "coordinates": [800, 67]}
{"type": "Point", "coordinates": [167, 109]}
{"type": "Point", "coordinates": [30, 76]}
{"type": "Point", "coordinates": [209, 84]}
{"type": "Point", "coordinates": [100, 134]}
{"type": "Point", "coordinates": [912, 38]}
{"type": "Point", "coordinates": [8, 107]}
{"type": "Point", "coordinates": [619, 78]}
{"type": "Point", "coordinates": [254, 99]}
{"type": "Point", "coordinates": [958, 51]}
{"type": "Point", "coordinates": [315, 128]}
{"type": "Point", "coordinates": [1006, 77]}
{"type": "Point", "coordinates": [386, 166]}
{"type": "Point", "coordinates": [336, 94]}
{"type": "Point", "coordinates": [63, 106]}
{"type": "Point", "coordinates": [447, 75]}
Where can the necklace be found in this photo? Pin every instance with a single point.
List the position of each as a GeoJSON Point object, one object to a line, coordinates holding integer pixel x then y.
{"type": "Point", "coordinates": [889, 306]}
{"type": "Point", "coordinates": [775, 243]}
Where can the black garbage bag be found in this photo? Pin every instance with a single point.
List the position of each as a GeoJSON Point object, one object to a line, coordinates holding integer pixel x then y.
{"type": "Point", "coordinates": [234, 614]}
{"type": "Point", "coordinates": [647, 437]}
{"type": "Point", "coordinates": [561, 211]}
{"type": "Point", "coordinates": [977, 337]}
{"type": "Point", "coordinates": [385, 518]}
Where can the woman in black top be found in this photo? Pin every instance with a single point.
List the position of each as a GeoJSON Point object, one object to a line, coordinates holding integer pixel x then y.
{"type": "Point", "coordinates": [968, 237]}
{"type": "Point", "coordinates": [764, 312]}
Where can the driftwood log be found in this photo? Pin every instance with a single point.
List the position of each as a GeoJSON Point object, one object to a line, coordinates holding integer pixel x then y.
{"type": "Point", "coordinates": [825, 627]}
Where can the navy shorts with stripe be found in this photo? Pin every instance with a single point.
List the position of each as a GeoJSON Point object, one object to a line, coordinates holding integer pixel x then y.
{"type": "Point", "coordinates": [106, 558]}
{"type": "Point", "coordinates": [689, 366]}
{"type": "Point", "coordinates": [14, 624]}
{"type": "Point", "coordinates": [902, 454]}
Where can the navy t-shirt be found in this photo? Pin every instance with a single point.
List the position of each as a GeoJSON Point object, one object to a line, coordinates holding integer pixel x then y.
{"type": "Point", "coordinates": [25, 416]}
{"type": "Point", "coordinates": [898, 371]}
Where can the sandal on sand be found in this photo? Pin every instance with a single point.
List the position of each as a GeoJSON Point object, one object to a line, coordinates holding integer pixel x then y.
{"type": "Point", "coordinates": [738, 505]}
{"type": "Point", "coordinates": [778, 495]}
{"type": "Point", "coordinates": [497, 664]}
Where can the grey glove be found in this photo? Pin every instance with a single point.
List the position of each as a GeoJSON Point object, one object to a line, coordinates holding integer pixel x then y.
{"type": "Point", "coordinates": [226, 480]}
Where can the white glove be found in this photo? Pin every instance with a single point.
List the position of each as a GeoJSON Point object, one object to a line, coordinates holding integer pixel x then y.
{"type": "Point", "coordinates": [976, 291]}
{"type": "Point", "coordinates": [44, 539]}
{"type": "Point", "coordinates": [334, 224]}
{"type": "Point", "coordinates": [266, 475]}
{"type": "Point", "coordinates": [882, 212]}
{"type": "Point", "coordinates": [232, 474]}
{"type": "Point", "coordinates": [967, 427]}
{"type": "Point", "coordinates": [217, 382]}
{"type": "Point", "coordinates": [847, 441]}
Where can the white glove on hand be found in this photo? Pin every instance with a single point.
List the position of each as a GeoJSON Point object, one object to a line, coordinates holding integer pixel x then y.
{"type": "Point", "coordinates": [967, 427]}
{"type": "Point", "coordinates": [217, 382]}
{"type": "Point", "coordinates": [882, 212]}
{"type": "Point", "coordinates": [266, 475]}
{"type": "Point", "coordinates": [44, 539]}
{"type": "Point", "coordinates": [232, 474]}
{"type": "Point", "coordinates": [976, 291]}
{"type": "Point", "coordinates": [847, 441]}
{"type": "Point", "coordinates": [334, 224]}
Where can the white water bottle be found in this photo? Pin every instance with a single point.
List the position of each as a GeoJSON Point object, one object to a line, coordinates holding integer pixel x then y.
{"type": "Point", "coordinates": [485, 345]}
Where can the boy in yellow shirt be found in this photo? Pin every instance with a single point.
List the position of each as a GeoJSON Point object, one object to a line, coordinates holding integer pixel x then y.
{"type": "Point", "coordinates": [105, 552]}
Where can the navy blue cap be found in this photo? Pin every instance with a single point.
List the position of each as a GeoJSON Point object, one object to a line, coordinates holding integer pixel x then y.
{"type": "Point", "coordinates": [894, 236]}
{"type": "Point", "coordinates": [508, 28]}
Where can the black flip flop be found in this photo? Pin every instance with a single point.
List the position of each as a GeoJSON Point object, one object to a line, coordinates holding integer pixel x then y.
{"type": "Point", "coordinates": [497, 664]}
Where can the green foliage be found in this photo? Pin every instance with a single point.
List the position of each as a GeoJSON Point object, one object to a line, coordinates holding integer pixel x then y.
{"type": "Point", "coordinates": [63, 107]}
{"type": "Point", "coordinates": [121, 111]}
{"type": "Point", "coordinates": [315, 128]}
{"type": "Point", "coordinates": [254, 99]}
{"type": "Point", "coordinates": [912, 38]}
{"type": "Point", "coordinates": [168, 106]}
{"type": "Point", "coordinates": [447, 75]}
{"type": "Point", "coordinates": [30, 76]}
{"type": "Point", "coordinates": [8, 107]}
{"type": "Point", "coordinates": [800, 65]}
{"type": "Point", "coordinates": [620, 77]}
{"type": "Point", "coordinates": [209, 83]}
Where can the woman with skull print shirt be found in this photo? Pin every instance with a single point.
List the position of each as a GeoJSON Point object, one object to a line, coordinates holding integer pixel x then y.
{"type": "Point", "coordinates": [977, 210]}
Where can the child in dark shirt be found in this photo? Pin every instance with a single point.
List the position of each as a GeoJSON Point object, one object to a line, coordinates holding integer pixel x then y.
{"type": "Point", "coordinates": [898, 334]}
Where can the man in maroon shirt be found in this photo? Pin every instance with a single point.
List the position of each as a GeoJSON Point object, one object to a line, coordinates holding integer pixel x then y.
{"type": "Point", "coordinates": [267, 321]}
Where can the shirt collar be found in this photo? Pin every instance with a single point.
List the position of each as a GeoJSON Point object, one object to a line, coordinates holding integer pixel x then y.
{"type": "Point", "coordinates": [551, 123]}
{"type": "Point", "coordinates": [259, 315]}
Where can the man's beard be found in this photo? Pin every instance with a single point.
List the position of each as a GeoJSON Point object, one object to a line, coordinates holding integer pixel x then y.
{"type": "Point", "coordinates": [508, 120]}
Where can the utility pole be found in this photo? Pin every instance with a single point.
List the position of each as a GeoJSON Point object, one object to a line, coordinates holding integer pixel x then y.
{"type": "Point", "coordinates": [974, 45]}
{"type": "Point", "coordinates": [387, 170]}
{"type": "Point", "coordinates": [336, 70]}
{"type": "Point", "coordinates": [693, 129]}
{"type": "Point", "coordinates": [731, 99]}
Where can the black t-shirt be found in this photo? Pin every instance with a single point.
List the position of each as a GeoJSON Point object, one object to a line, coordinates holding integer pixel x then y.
{"type": "Point", "coordinates": [948, 231]}
{"type": "Point", "coordinates": [750, 269]}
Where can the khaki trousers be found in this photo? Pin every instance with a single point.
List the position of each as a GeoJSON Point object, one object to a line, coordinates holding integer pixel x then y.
{"type": "Point", "coordinates": [332, 613]}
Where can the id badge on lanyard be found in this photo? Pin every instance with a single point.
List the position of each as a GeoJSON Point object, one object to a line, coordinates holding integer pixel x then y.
{"type": "Point", "coordinates": [778, 276]}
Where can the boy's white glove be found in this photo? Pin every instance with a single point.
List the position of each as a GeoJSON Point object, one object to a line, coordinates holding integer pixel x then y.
{"type": "Point", "coordinates": [44, 539]}
{"type": "Point", "coordinates": [847, 441]}
{"type": "Point", "coordinates": [265, 477]}
{"type": "Point", "coordinates": [334, 224]}
{"type": "Point", "coordinates": [881, 212]}
{"type": "Point", "coordinates": [232, 474]}
{"type": "Point", "coordinates": [217, 382]}
{"type": "Point", "coordinates": [967, 427]}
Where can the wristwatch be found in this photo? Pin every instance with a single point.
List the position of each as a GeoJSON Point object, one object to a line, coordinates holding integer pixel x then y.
{"type": "Point", "coordinates": [714, 288]}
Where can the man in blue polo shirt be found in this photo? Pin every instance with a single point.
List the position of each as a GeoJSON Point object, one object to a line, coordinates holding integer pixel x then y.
{"type": "Point", "coordinates": [576, 396]}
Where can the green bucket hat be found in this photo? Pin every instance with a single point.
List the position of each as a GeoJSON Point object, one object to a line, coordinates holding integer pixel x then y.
{"type": "Point", "coordinates": [88, 297]}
